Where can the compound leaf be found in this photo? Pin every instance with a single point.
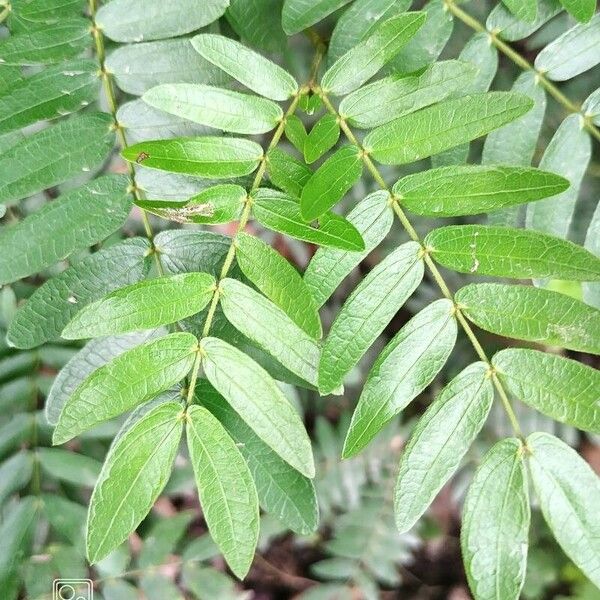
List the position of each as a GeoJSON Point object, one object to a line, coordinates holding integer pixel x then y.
{"type": "Point", "coordinates": [256, 398]}
{"type": "Point", "coordinates": [495, 525]}
{"type": "Point", "coordinates": [144, 305]}
{"type": "Point", "coordinates": [248, 67]}
{"type": "Point", "coordinates": [279, 281]}
{"type": "Point", "coordinates": [402, 371]}
{"type": "Point", "coordinates": [135, 471]}
{"type": "Point", "coordinates": [226, 489]}
{"type": "Point", "coordinates": [558, 387]}
{"type": "Point", "coordinates": [567, 488]}
{"type": "Point", "coordinates": [445, 125]}
{"type": "Point", "coordinates": [128, 380]}
{"type": "Point", "coordinates": [322, 137]}
{"type": "Point", "coordinates": [215, 107]}
{"type": "Point", "coordinates": [300, 14]}
{"type": "Point", "coordinates": [330, 182]}
{"type": "Point", "coordinates": [440, 440]}
{"type": "Point", "coordinates": [532, 314]}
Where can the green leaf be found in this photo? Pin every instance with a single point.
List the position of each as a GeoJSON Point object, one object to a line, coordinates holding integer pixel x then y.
{"type": "Point", "coordinates": [212, 157]}
{"type": "Point", "coordinates": [282, 491]}
{"type": "Point", "coordinates": [301, 14]}
{"type": "Point", "coordinates": [512, 28]}
{"type": "Point", "coordinates": [250, 68]}
{"type": "Point", "coordinates": [387, 99]}
{"type": "Point", "coordinates": [591, 291]}
{"type": "Point", "coordinates": [53, 155]}
{"type": "Point", "coordinates": [135, 471]}
{"type": "Point", "coordinates": [93, 355]}
{"type": "Point", "coordinates": [426, 46]}
{"type": "Point", "coordinates": [365, 59]}
{"type": "Point", "coordinates": [359, 21]}
{"type": "Point", "coordinates": [54, 92]}
{"type": "Point", "coordinates": [567, 490]}
{"type": "Point", "coordinates": [46, 45]}
{"type": "Point", "coordinates": [525, 10]}
{"type": "Point", "coordinates": [137, 20]}
{"type": "Point", "coordinates": [295, 132]}
{"type": "Point", "coordinates": [567, 154]}
{"type": "Point", "coordinates": [508, 252]}
{"type": "Point", "coordinates": [48, 12]}
{"type": "Point", "coordinates": [63, 226]}
{"type": "Point", "coordinates": [330, 182]}
{"type": "Point", "coordinates": [573, 53]}
{"type": "Point", "coordinates": [47, 311]}
{"type": "Point", "coordinates": [265, 323]}
{"type": "Point", "coordinates": [286, 172]}
{"type": "Point", "coordinates": [495, 525]}
{"type": "Point", "coordinates": [15, 473]}
{"type": "Point", "coordinates": [402, 371]}
{"type": "Point", "coordinates": [144, 305]}
{"type": "Point", "coordinates": [279, 281]}
{"type": "Point", "coordinates": [516, 143]}
{"type": "Point", "coordinates": [280, 212]}
{"type": "Point", "coordinates": [558, 387]}
{"type": "Point", "coordinates": [444, 125]}
{"type": "Point", "coordinates": [217, 204]}
{"type": "Point", "coordinates": [71, 467]}
{"type": "Point", "coordinates": [533, 314]}
{"type": "Point", "coordinates": [472, 189]}
{"type": "Point", "coordinates": [257, 399]}
{"type": "Point", "coordinates": [322, 137]}
{"type": "Point", "coordinates": [128, 380]}
{"type": "Point", "coordinates": [367, 311]}
{"type": "Point", "coordinates": [215, 107]}
{"type": "Point", "coordinates": [259, 23]}
{"type": "Point", "coordinates": [226, 489]}
{"type": "Point", "coordinates": [373, 218]}
{"type": "Point", "coordinates": [582, 10]}
{"type": "Point", "coordinates": [173, 61]}
{"type": "Point", "coordinates": [440, 440]}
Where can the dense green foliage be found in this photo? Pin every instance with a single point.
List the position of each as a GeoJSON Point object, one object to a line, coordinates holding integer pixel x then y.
{"type": "Point", "coordinates": [166, 167]}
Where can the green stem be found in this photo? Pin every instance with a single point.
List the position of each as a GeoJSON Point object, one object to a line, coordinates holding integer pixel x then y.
{"type": "Point", "coordinates": [524, 64]}
{"type": "Point", "coordinates": [194, 377]}
{"type": "Point", "coordinates": [431, 266]}
{"type": "Point", "coordinates": [109, 91]}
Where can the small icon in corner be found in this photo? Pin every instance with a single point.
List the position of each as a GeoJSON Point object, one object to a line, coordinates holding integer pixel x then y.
{"type": "Point", "coordinates": [72, 589]}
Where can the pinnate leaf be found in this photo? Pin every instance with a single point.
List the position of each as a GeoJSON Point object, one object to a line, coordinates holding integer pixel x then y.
{"type": "Point", "coordinates": [254, 395]}
{"type": "Point", "coordinates": [508, 252]}
{"type": "Point", "coordinates": [558, 387]}
{"type": "Point", "coordinates": [330, 182]}
{"type": "Point", "coordinates": [473, 189]}
{"type": "Point", "coordinates": [300, 14]}
{"type": "Point", "coordinates": [69, 223]}
{"type": "Point", "coordinates": [128, 380]}
{"type": "Point", "coordinates": [279, 281]}
{"type": "Point", "coordinates": [567, 489]}
{"type": "Point", "coordinates": [495, 526]}
{"type": "Point", "coordinates": [144, 305]}
{"type": "Point", "coordinates": [248, 67]}
{"type": "Point", "coordinates": [212, 157]}
{"type": "Point", "coordinates": [322, 137]}
{"type": "Point", "coordinates": [363, 61]}
{"type": "Point", "coordinates": [440, 440]}
{"type": "Point", "coordinates": [367, 311]}
{"type": "Point", "coordinates": [402, 371]}
{"type": "Point", "coordinates": [226, 489]}
{"type": "Point", "coordinates": [135, 471]}
{"type": "Point", "coordinates": [281, 212]}
{"type": "Point", "coordinates": [533, 314]}
{"type": "Point", "coordinates": [443, 126]}
{"type": "Point", "coordinates": [265, 323]}
{"type": "Point", "coordinates": [216, 107]}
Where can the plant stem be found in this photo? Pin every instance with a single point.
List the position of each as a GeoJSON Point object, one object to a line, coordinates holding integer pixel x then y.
{"type": "Point", "coordinates": [109, 91]}
{"type": "Point", "coordinates": [433, 270]}
{"type": "Point", "coordinates": [524, 64]}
